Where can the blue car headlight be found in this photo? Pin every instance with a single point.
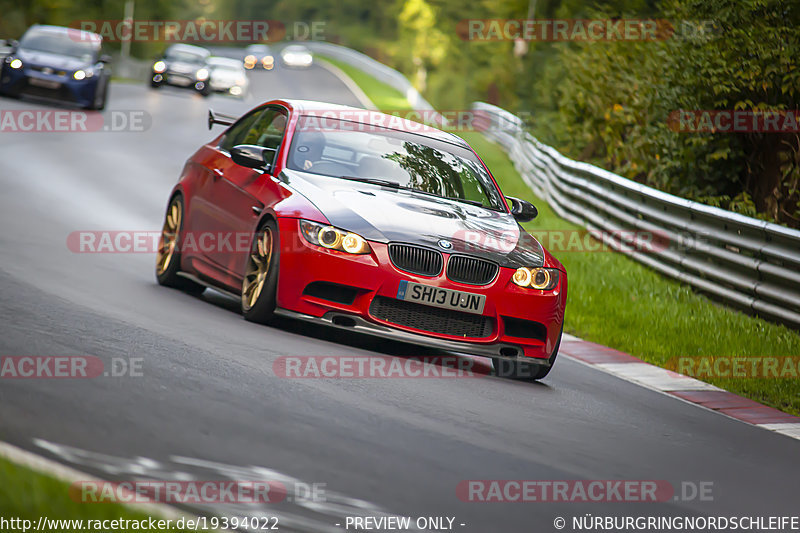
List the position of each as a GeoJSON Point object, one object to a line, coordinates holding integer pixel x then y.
{"type": "Point", "coordinates": [83, 74]}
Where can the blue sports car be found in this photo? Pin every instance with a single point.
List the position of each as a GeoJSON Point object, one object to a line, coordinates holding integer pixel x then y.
{"type": "Point", "coordinates": [57, 63]}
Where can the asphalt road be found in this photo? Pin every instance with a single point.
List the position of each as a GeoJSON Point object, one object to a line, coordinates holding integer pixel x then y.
{"type": "Point", "coordinates": [208, 404]}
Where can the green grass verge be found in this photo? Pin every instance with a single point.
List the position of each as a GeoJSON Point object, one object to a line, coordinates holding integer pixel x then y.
{"type": "Point", "coordinates": [28, 495]}
{"type": "Point", "coordinates": [383, 96]}
{"type": "Point", "coordinates": [619, 303]}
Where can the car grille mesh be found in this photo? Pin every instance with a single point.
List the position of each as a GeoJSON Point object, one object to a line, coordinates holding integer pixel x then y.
{"type": "Point", "coordinates": [415, 259]}
{"type": "Point", "coordinates": [431, 319]}
{"type": "Point", "coordinates": [471, 270]}
{"type": "Point", "coordinates": [48, 70]}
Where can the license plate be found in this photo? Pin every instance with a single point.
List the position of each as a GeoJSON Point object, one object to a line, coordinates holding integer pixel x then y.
{"type": "Point", "coordinates": [177, 79]}
{"type": "Point", "coordinates": [440, 297]}
{"type": "Point", "coordinates": [47, 84]}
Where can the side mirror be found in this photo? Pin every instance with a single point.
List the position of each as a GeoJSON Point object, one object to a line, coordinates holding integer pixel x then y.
{"type": "Point", "coordinates": [252, 156]}
{"type": "Point", "coordinates": [521, 210]}
{"type": "Point", "coordinates": [105, 58]}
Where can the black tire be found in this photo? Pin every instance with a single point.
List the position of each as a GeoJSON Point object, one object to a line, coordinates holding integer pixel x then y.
{"type": "Point", "coordinates": [167, 268]}
{"type": "Point", "coordinates": [258, 304]}
{"type": "Point", "coordinates": [205, 91]}
{"type": "Point", "coordinates": [100, 96]}
{"type": "Point", "coordinates": [523, 371]}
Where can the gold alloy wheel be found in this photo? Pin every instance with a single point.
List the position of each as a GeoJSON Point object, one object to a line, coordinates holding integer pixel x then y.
{"type": "Point", "coordinates": [257, 268]}
{"type": "Point", "coordinates": [169, 237]}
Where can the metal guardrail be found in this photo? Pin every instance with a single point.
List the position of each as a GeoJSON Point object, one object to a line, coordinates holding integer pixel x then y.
{"type": "Point", "coordinates": [744, 262]}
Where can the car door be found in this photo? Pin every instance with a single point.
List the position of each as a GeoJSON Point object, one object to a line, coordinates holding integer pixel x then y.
{"type": "Point", "coordinates": [233, 197]}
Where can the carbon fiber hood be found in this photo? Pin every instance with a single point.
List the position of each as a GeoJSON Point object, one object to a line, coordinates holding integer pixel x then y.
{"type": "Point", "coordinates": [385, 215]}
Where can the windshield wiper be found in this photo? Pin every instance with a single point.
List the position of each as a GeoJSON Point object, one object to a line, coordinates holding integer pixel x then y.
{"type": "Point", "coordinates": [374, 181]}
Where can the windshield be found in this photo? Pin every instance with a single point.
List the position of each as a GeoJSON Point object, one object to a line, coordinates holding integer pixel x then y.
{"type": "Point", "coordinates": [59, 43]}
{"type": "Point", "coordinates": [296, 50]}
{"type": "Point", "coordinates": [347, 149]}
{"type": "Point", "coordinates": [184, 56]}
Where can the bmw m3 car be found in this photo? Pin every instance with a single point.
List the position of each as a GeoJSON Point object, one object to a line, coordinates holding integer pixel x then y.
{"type": "Point", "coordinates": [57, 63]}
{"type": "Point", "coordinates": [366, 222]}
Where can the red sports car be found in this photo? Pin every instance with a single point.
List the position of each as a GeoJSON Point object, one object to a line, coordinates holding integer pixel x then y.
{"type": "Point", "coordinates": [367, 222]}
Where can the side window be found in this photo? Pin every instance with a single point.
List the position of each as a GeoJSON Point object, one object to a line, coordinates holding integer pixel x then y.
{"type": "Point", "coordinates": [237, 133]}
{"type": "Point", "coordinates": [268, 130]}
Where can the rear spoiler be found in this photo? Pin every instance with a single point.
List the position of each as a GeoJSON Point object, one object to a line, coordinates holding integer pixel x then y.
{"type": "Point", "coordinates": [220, 118]}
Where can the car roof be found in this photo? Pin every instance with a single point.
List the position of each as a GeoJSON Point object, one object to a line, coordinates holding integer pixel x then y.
{"type": "Point", "coordinates": [192, 49]}
{"type": "Point", "coordinates": [374, 118]}
{"type": "Point", "coordinates": [63, 30]}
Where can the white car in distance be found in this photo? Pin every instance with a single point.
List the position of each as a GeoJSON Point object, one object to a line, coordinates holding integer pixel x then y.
{"type": "Point", "coordinates": [228, 76]}
{"type": "Point", "coordinates": [297, 56]}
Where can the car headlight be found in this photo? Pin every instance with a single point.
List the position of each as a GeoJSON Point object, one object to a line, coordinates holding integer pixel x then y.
{"type": "Point", "coordinates": [202, 74]}
{"type": "Point", "coordinates": [80, 75]}
{"type": "Point", "coordinates": [543, 279]}
{"type": "Point", "coordinates": [159, 67]}
{"type": "Point", "coordinates": [15, 63]}
{"type": "Point", "coordinates": [334, 238]}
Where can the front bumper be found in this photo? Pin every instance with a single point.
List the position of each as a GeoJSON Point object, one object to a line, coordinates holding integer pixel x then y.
{"type": "Point", "coordinates": [62, 87]}
{"type": "Point", "coordinates": [373, 276]}
{"type": "Point", "coordinates": [360, 325]}
{"type": "Point", "coordinates": [225, 86]}
{"type": "Point", "coordinates": [176, 79]}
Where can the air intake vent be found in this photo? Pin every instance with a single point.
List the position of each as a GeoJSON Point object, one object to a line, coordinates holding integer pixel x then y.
{"type": "Point", "coordinates": [332, 292]}
{"type": "Point", "coordinates": [525, 329]}
{"type": "Point", "coordinates": [432, 319]}
{"type": "Point", "coordinates": [415, 259]}
{"type": "Point", "coordinates": [471, 270]}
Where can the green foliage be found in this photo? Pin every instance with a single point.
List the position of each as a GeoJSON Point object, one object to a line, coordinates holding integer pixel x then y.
{"type": "Point", "coordinates": [616, 99]}
{"type": "Point", "coordinates": [29, 495]}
